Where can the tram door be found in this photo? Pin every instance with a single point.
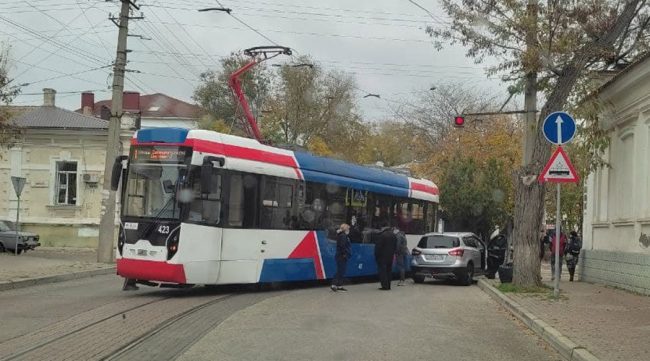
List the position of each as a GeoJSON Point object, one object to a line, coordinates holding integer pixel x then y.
{"type": "Point", "coordinates": [242, 242]}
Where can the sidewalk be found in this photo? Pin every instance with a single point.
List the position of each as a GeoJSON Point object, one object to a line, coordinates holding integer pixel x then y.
{"type": "Point", "coordinates": [610, 323]}
{"type": "Point", "coordinates": [49, 264]}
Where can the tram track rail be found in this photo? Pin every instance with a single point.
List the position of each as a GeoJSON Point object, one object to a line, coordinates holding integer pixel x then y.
{"type": "Point", "coordinates": [97, 338]}
{"type": "Point", "coordinates": [129, 347]}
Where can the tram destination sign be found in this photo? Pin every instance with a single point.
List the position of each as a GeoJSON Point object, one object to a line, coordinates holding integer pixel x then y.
{"type": "Point", "coordinates": [159, 154]}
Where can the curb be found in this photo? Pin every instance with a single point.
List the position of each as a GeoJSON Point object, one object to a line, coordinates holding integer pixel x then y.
{"type": "Point", "coordinates": [570, 350]}
{"type": "Point", "coordinates": [11, 285]}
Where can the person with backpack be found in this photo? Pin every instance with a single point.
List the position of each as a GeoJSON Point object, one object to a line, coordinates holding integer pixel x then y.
{"type": "Point", "coordinates": [401, 253]}
{"type": "Point", "coordinates": [572, 253]}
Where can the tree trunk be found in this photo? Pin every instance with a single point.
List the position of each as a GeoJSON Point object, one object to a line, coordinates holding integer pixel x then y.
{"type": "Point", "coordinates": [529, 199]}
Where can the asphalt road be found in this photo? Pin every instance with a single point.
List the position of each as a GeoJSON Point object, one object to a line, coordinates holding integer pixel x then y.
{"type": "Point", "coordinates": [92, 319]}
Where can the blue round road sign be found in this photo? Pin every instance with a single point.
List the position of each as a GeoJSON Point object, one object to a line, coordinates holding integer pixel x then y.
{"type": "Point", "coordinates": [559, 128]}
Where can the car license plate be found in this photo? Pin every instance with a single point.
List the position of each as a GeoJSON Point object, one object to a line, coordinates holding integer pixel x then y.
{"type": "Point", "coordinates": [142, 252]}
{"type": "Point", "coordinates": [434, 257]}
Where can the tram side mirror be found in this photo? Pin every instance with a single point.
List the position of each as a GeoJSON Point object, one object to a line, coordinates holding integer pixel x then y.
{"type": "Point", "coordinates": [168, 185]}
{"type": "Point", "coordinates": [116, 174]}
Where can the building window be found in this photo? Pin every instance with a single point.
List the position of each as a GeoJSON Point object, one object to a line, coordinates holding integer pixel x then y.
{"type": "Point", "coordinates": [66, 183]}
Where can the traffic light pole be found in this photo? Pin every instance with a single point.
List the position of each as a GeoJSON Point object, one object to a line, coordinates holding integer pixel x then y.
{"type": "Point", "coordinates": [107, 213]}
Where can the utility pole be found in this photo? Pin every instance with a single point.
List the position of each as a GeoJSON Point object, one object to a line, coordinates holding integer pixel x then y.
{"type": "Point", "coordinates": [113, 146]}
{"type": "Point", "coordinates": [530, 93]}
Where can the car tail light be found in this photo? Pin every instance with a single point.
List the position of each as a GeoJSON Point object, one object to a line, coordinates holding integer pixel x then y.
{"type": "Point", "coordinates": [458, 252]}
{"type": "Point", "coordinates": [416, 252]}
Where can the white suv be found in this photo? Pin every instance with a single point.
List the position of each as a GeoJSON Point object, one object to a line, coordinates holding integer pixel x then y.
{"type": "Point", "coordinates": [458, 256]}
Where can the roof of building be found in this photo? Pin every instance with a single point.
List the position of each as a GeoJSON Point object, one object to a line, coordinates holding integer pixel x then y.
{"type": "Point", "coordinates": [623, 72]}
{"type": "Point", "coordinates": [57, 118]}
{"type": "Point", "coordinates": [158, 106]}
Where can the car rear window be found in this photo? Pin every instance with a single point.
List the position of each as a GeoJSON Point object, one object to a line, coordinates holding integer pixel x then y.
{"type": "Point", "coordinates": [439, 242]}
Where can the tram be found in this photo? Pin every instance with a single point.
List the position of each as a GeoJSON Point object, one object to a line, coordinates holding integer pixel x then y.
{"type": "Point", "coordinates": [201, 207]}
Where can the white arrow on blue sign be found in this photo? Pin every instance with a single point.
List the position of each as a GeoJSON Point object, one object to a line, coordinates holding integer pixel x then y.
{"type": "Point", "coordinates": [559, 128]}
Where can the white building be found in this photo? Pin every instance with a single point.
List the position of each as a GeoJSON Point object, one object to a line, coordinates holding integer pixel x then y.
{"type": "Point", "coordinates": [616, 228]}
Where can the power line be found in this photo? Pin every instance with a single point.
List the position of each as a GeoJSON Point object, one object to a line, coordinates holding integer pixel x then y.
{"type": "Point", "coordinates": [305, 33]}
{"type": "Point", "coordinates": [172, 46]}
{"type": "Point", "coordinates": [192, 39]}
{"type": "Point", "coordinates": [426, 10]}
{"type": "Point", "coordinates": [66, 92]}
{"type": "Point", "coordinates": [68, 75]}
{"type": "Point", "coordinates": [93, 29]}
{"type": "Point", "coordinates": [65, 26]}
{"type": "Point", "coordinates": [248, 26]}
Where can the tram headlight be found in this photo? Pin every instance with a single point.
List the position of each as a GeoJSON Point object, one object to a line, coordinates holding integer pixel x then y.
{"type": "Point", "coordinates": [172, 245]}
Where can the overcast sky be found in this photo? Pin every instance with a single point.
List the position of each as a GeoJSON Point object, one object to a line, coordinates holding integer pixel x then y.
{"type": "Point", "coordinates": [382, 42]}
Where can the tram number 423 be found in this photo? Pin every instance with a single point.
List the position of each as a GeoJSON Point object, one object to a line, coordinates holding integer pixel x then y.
{"type": "Point", "coordinates": [163, 229]}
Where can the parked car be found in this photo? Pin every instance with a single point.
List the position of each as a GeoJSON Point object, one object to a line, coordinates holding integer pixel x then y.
{"type": "Point", "coordinates": [26, 240]}
{"type": "Point", "coordinates": [457, 256]}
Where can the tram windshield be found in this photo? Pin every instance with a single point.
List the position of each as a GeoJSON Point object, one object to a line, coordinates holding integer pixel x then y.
{"type": "Point", "coordinates": [154, 187]}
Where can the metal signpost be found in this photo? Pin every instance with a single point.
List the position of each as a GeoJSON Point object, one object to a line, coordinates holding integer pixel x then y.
{"type": "Point", "coordinates": [559, 128]}
{"type": "Point", "coordinates": [19, 183]}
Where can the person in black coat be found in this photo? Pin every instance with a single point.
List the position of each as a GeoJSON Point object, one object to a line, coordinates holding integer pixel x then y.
{"type": "Point", "coordinates": [572, 253]}
{"type": "Point", "coordinates": [385, 248]}
{"type": "Point", "coordinates": [343, 253]}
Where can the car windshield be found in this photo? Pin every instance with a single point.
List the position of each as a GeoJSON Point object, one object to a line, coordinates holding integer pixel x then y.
{"type": "Point", "coordinates": [6, 226]}
{"type": "Point", "coordinates": [439, 241]}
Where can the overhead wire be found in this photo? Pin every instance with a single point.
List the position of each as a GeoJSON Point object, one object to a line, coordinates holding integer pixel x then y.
{"type": "Point", "coordinates": [93, 29]}
{"type": "Point", "coordinates": [248, 26]}
{"type": "Point", "coordinates": [65, 26]}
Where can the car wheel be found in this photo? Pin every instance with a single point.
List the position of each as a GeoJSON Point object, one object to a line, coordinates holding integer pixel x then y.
{"type": "Point", "coordinates": [2, 247]}
{"type": "Point", "coordinates": [418, 279]}
{"type": "Point", "coordinates": [19, 251]}
{"type": "Point", "coordinates": [468, 276]}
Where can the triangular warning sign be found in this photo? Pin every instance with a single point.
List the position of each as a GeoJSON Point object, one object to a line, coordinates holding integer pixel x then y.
{"type": "Point", "coordinates": [559, 169]}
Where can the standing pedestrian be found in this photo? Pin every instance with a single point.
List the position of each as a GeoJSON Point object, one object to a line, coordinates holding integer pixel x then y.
{"type": "Point", "coordinates": [554, 240]}
{"type": "Point", "coordinates": [384, 253]}
{"type": "Point", "coordinates": [572, 253]}
{"type": "Point", "coordinates": [401, 253]}
{"type": "Point", "coordinates": [343, 253]}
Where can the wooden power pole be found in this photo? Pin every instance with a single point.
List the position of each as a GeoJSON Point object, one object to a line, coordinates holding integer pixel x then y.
{"type": "Point", "coordinates": [113, 146]}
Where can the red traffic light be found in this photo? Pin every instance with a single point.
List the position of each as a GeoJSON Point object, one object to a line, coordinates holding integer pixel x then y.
{"type": "Point", "coordinates": [459, 122]}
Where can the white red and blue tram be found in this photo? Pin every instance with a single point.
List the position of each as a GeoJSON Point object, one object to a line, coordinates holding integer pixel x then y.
{"type": "Point", "coordinates": [200, 207]}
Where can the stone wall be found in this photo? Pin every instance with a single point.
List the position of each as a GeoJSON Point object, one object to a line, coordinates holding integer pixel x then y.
{"type": "Point", "coordinates": [630, 271]}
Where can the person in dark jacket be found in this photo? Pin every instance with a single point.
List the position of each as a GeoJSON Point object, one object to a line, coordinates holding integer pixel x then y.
{"type": "Point", "coordinates": [572, 253]}
{"type": "Point", "coordinates": [384, 252]}
{"type": "Point", "coordinates": [343, 254]}
{"type": "Point", "coordinates": [401, 253]}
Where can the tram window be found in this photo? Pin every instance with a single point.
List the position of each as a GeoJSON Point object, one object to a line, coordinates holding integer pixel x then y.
{"type": "Point", "coordinates": [236, 201]}
{"type": "Point", "coordinates": [311, 214]}
{"type": "Point", "coordinates": [242, 200]}
{"type": "Point", "coordinates": [336, 206]}
{"type": "Point", "coordinates": [277, 204]}
{"type": "Point", "coordinates": [206, 206]}
{"type": "Point", "coordinates": [430, 217]}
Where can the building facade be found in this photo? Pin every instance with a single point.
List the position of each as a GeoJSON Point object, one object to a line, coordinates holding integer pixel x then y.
{"type": "Point", "coordinates": [616, 228]}
{"type": "Point", "coordinates": [62, 154]}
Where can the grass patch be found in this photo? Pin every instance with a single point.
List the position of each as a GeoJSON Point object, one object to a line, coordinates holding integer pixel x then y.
{"type": "Point", "coordinates": [511, 288]}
